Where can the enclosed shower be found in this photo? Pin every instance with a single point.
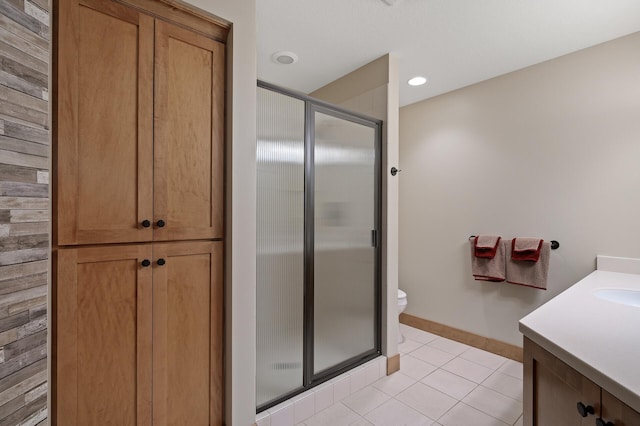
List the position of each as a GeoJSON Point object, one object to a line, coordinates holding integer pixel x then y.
{"type": "Point", "coordinates": [318, 242]}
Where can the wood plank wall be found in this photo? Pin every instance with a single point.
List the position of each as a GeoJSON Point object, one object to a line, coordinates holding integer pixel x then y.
{"type": "Point", "coordinates": [24, 210]}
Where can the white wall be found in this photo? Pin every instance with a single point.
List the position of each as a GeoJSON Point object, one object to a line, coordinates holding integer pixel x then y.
{"type": "Point", "coordinates": [240, 271]}
{"type": "Point", "coordinates": [552, 150]}
{"type": "Point", "coordinates": [373, 90]}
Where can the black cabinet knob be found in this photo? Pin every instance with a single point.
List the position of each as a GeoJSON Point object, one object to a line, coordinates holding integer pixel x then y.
{"type": "Point", "coordinates": [584, 410]}
{"type": "Point", "coordinates": [146, 223]}
{"type": "Point", "coordinates": [146, 263]}
{"type": "Point", "coordinates": [601, 422]}
{"type": "Point", "coordinates": [160, 223]}
{"type": "Point", "coordinates": [161, 261]}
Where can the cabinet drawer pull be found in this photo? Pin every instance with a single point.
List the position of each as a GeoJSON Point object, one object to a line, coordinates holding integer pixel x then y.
{"type": "Point", "coordinates": [161, 262]}
{"type": "Point", "coordinates": [146, 263]}
{"type": "Point", "coordinates": [600, 422]}
{"type": "Point", "coordinates": [584, 410]}
{"type": "Point", "coordinates": [146, 223]}
{"type": "Point", "coordinates": [161, 223]}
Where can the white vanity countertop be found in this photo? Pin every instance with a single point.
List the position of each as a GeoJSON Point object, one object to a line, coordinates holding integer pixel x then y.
{"type": "Point", "coordinates": [598, 338]}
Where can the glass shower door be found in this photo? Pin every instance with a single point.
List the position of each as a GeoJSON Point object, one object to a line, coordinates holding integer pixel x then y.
{"type": "Point", "coordinates": [318, 252]}
{"type": "Point", "coordinates": [345, 221]}
{"type": "Point", "coordinates": [280, 245]}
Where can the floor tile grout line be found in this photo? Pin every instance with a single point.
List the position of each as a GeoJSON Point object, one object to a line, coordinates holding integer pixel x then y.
{"type": "Point", "coordinates": [451, 408]}
{"type": "Point", "coordinates": [521, 416]}
{"type": "Point", "coordinates": [459, 399]}
{"type": "Point", "coordinates": [460, 356]}
{"type": "Point", "coordinates": [477, 409]}
{"type": "Point", "coordinates": [455, 374]}
{"type": "Point", "coordinates": [414, 380]}
{"type": "Point", "coordinates": [488, 414]}
{"type": "Point", "coordinates": [498, 391]}
{"type": "Point", "coordinates": [379, 405]}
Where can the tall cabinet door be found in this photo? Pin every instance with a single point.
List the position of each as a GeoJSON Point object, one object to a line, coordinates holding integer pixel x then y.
{"type": "Point", "coordinates": [104, 118]}
{"type": "Point", "coordinates": [104, 330]}
{"type": "Point", "coordinates": [187, 334]}
{"type": "Point", "coordinates": [189, 149]}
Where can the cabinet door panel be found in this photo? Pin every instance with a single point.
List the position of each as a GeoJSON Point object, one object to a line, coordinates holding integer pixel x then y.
{"type": "Point", "coordinates": [617, 412]}
{"type": "Point", "coordinates": [552, 390]}
{"type": "Point", "coordinates": [104, 336]}
{"type": "Point", "coordinates": [105, 112]}
{"type": "Point", "coordinates": [189, 132]}
{"type": "Point", "coordinates": [188, 334]}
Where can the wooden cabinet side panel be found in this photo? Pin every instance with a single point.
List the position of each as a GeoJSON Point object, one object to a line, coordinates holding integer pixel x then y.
{"type": "Point", "coordinates": [189, 135]}
{"type": "Point", "coordinates": [65, 121]}
{"type": "Point", "coordinates": [104, 336]}
{"type": "Point", "coordinates": [216, 392]}
{"type": "Point", "coordinates": [104, 123]}
{"type": "Point", "coordinates": [217, 140]}
{"type": "Point", "coordinates": [528, 383]}
{"type": "Point", "coordinates": [188, 334]}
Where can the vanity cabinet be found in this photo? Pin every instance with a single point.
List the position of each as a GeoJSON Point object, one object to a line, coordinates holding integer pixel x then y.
{"type": "Point", "coordinates": [557, 395]}
{"type": "Point", "coordinates": [617, 412]}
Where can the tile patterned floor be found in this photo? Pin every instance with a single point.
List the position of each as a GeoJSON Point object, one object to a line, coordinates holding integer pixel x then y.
{"type": "Point", "coordinates": [440, 382]}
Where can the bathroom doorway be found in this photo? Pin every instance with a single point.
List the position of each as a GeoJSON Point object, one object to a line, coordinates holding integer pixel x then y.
{"type": "Point", "coordinates": [318, 242]}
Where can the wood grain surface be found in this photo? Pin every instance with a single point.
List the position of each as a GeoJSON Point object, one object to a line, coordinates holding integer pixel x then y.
{"type": "Point", "coordinates": [138, 135]}
{"type": "Point", "coordinates": [24, 210]}
{"type": "Point", "coordinates": [105, 163]}
{"type": "Point", "coordinates": [187, 334]}
{"type": "Point", "coordinates": [188, 145]}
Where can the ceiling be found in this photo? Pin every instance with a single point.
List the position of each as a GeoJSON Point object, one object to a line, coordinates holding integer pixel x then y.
{"type": "Point", "coordinates": [454, 43]}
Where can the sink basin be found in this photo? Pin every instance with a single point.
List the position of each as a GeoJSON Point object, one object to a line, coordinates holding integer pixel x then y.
{"type": "Point", "coordinates": [618, 295]}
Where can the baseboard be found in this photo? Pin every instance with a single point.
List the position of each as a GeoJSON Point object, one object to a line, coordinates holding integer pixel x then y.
{"type": "Point", "coordinates": [497, 347]}
{"type": "Point", "coordinates": [393, 364]}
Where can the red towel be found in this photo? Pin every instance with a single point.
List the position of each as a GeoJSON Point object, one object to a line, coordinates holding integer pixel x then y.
{"type": "Point", "coordinates": [486, 246]}
{"type": "Point", "coordinates": [526, 249]}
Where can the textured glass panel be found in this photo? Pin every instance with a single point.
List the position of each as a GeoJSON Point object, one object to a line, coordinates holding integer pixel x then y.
{"type": "Point", "coordinates": [344, 258]}
{"type": "Point", "coordinates": [280, 238]}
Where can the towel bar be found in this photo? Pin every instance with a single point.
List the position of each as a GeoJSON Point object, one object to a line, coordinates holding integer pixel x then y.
{"type": "Point", "coordinates": [554, 243]}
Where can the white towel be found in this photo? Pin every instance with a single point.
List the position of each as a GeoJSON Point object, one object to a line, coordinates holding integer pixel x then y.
{"type": "Point", "coordinates": [484, 269]}
{"type": "Point", "coordinates": [527, 273]}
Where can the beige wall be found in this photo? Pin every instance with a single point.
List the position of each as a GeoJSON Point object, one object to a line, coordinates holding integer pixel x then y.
{"type": "Point", "coordinates": [241, 208]}
{"type": "Point", "coordinates": [373, 90]}
{"type": "Point", "coordinates": [552, 150]}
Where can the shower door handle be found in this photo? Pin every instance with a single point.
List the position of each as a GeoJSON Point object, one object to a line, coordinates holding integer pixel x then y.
{"type": "Point", "coordinates": [374, 238]}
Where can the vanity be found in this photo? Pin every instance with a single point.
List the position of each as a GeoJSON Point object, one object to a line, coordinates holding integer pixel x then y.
{"type": "Point", "coordinates": [582, 351]}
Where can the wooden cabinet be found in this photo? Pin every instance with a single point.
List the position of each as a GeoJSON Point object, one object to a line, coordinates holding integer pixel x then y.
{"type": "Point", "coordinates": [140, 127]}
{"type": "Point", "coordinates": [104, 126]}
{"type": "Point", "coordinates": [553, 390]}
{"type": "Point", "coordinates": [140, 342]}
{"type": "Point", "coordinates": [138, 196]}
{"type": "Point", "coordinates": [188, 148]}
{"type": "Point", "coordinates": [104, 335]}
{"type": "Point", "coordinates": [617, 412]}
{"type": "Point", "coordinates": [187, 334]}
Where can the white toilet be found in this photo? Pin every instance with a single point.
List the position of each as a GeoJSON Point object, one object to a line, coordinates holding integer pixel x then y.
{"type": "Point", "coordinates": [402, 304]}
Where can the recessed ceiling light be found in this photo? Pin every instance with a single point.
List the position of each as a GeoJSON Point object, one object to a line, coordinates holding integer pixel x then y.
{"type": "Point", "coordinates": [284, 58]}
{"type": "Point", "coordinates": [417, 81]}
